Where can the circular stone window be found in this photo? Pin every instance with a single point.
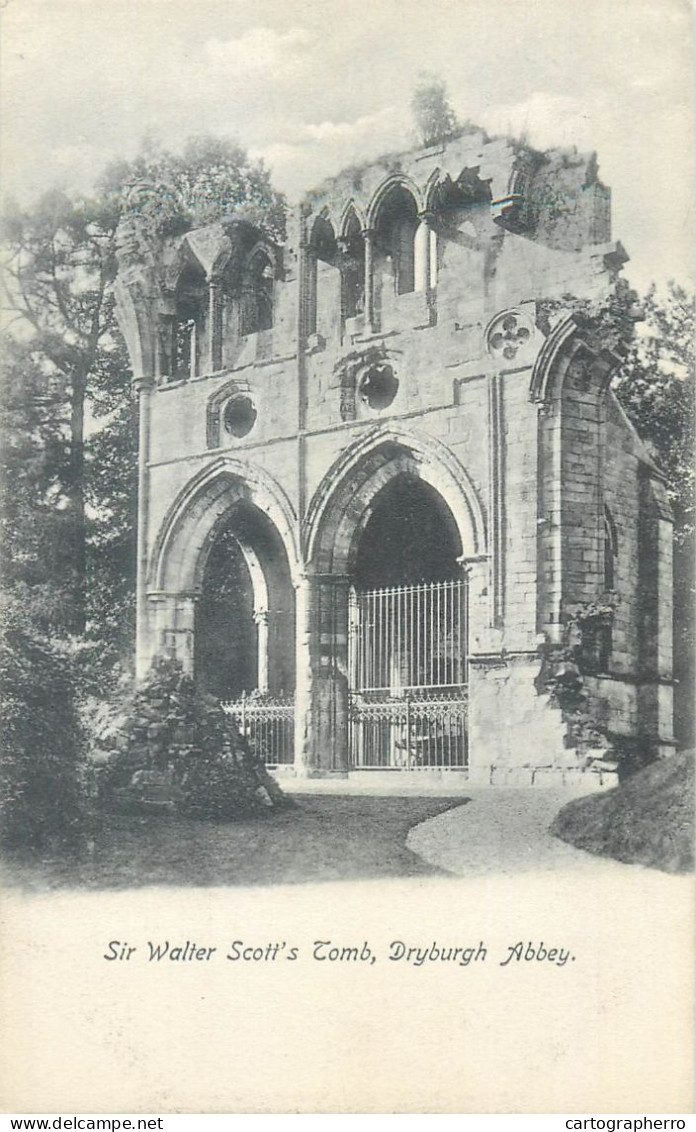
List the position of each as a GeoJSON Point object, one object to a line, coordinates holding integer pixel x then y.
{"type": "Point", "coordinates": [378, 386]}
{"type": "Point", "coordinates": [507, 334]}
{"type": "Point", "coordinates": [239, 416]}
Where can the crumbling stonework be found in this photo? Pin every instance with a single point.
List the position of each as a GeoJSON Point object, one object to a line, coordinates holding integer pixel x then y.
{"type": "Point", "coordinates": [431, 321]}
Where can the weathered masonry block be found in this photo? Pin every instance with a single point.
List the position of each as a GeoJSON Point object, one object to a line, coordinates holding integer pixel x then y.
{"type": "Point", "coordinates": [387, 496]}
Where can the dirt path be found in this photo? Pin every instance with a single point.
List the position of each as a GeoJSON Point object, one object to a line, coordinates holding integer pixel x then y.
{"type": "Point", "coordinates": [506, 832]}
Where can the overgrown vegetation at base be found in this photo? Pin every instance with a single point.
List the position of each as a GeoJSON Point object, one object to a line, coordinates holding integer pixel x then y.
{"type": "Point", "coordinates": [164, 744]}
{"type": "Point", "coordinates": [43, 775]}
{"type": "Point", "coordinates": [649, 820]}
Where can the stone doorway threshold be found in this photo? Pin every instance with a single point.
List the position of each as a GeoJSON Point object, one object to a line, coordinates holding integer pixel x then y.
{"type": "Point", "coordinates": [396, 783]}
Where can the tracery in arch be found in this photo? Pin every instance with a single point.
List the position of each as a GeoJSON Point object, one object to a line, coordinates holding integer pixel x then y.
{"type": "Point", "coordinates": [322, 264]}
{"type": "Point", "coordinates": [257, 292]}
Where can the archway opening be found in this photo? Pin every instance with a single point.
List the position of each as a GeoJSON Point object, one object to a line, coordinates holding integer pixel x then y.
{"type": "Point", "coordinates": [408, 634]}
{"type": "Point", "coordinates": [188, 346]}
{"type": "Point", "coordinates": [352, 268]}
{"type": "Point", "coordinates": [410, 538]}
{"type": "Point", "coordinates": [257, 293]}
{"type": "Point", "coordinates": [323, 270]}
{"type": "Point", "coordinates": [397, 223]}
{"type": "Point", "coordinates": [245, 616]}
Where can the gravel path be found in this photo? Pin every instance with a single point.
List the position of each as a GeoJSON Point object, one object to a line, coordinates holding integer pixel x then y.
{"type": "Point", "coordinates": [503, 831]}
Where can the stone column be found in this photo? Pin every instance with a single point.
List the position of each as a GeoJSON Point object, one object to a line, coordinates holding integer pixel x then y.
{"type": "Point", "coordinates": [664, 635]}
{"type": "Point", "coordinates": [304, 677]}
{"type": "Point", "coordinates": [172, 627]}
{"type": "Point", "coordinates": [215, 325]}
{"type": "Point", "coordinates": [321, 731]}
{"type": "Point", "coordinates": [369, 238]}
{"type": "Point", "coordinates": [261, 620]}
{"type": "Point", "coordinates": [142, 388]}
{"type": "Point", "coordinates": [425, 253]}
{"type": "Point", "coordinates": [310, 292]}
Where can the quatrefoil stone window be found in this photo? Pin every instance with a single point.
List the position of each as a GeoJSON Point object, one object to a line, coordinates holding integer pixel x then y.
{"type": "Point", "coordinates": [507, 334]}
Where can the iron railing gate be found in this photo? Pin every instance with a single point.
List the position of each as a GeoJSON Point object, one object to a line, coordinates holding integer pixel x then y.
{"type": "Point", "coordinates": [408, 675]}
{"type": "Point", "coordinates": [268, 725]}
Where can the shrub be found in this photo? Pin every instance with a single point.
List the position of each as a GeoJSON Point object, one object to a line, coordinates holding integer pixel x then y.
{"type": "Point", "coordinates": [43, 794]}
{"type": "Point", "coordinates": [165, 742]}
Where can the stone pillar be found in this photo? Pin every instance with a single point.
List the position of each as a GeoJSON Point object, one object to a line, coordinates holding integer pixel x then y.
{"type": "Point", "coordinates": [261, 620]}
{"type": "Point", "coordinates": [142, 387]}
{"type": "Point", "coordinates": [172, 628]}
{"type": "Point", "coordinates": [304, 677]}
{"type": "Point", "coordinates": [432, 248]}
{"type": "Point", "coordinates": [664, 635]}
{"type": "Point", "coordinates": [215, 325]}
{"type": "Point", "coordinates": [425, 253]}
{"type": "Point", "coordinates": [369, 238]}
{"type": "Point", "coordinates": [310, 295]}
{"type": "Point", "coordinates": [482, 637]}
{"type": "Point", "coordinates": [321, 730]}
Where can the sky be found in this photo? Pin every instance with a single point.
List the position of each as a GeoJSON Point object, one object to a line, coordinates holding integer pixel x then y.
{"type": "Point", "coordinates": [314, 86]}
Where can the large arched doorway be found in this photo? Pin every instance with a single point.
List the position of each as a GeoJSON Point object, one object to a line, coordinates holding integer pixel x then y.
{"type": "Point", "coordinates": [222, 597]}
{"type": "Point", "coordinates": [408, 634]}
{"type": "Point", "coordinates": [394, 531]}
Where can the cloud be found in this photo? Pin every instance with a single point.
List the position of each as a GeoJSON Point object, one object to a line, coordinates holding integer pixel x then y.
{"type": "Point", "coordinates": [317, 150]}
{"type": "Point", "coordinates": [547, 120]}
{"type": "Point", "coordinates": [260, 52]}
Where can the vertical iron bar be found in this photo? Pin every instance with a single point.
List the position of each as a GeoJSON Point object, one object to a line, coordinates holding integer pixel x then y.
{"type": "Point", "coordinates": [408, 731]}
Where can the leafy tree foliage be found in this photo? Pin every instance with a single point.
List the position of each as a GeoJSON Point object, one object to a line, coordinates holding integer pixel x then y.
{"type": "Point", "coordinates": [36, 525]}
{"type": "Point", "coordinates": [60, 264]}
{"type": "Point", "coordinates": [69, 453]}
{"type": "Point", "coordinates": [43, 784]}
{"type": "Point", "coordinates": [70, 510]}
{"type": "Point", "coordinates": [211, 179]}
{"type": "Point", "coordinates": [435, 119]}
{"type": "Point", "coordinates": [656, 387]}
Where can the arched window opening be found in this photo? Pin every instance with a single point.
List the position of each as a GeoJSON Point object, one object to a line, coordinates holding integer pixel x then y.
{"type": "Point", "coordinates": [597, 630]}
{"type": "Point", "coordinates": [353, 269]}
{"type": "Point", "coordinates": [323, 254]}
{"type": "Point", "coordinates": [257, 294]}
{"type": "Point", "coordinates": [610, 550]}
{"type": "Point", "coordinates": [397, 225]}
{"type": "Point", "coordinates": [189, 324]}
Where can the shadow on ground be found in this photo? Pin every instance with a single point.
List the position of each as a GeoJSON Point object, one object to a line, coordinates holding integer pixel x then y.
{"type": "Point", "coordinates": [318, 839]}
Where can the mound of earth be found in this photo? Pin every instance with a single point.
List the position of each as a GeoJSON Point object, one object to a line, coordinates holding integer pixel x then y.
{"type": "Point", "coordinates": [648, 820]}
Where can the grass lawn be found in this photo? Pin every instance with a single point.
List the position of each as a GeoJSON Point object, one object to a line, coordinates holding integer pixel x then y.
{"type": "Point", "coordinates": [321, 838]}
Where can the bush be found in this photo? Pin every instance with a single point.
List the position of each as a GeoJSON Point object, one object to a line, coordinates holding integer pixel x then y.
{"type": "Point", "coordinates": [43, 795]}
{"type": "Point", "coordinates": [165, 743]}
{"type": "Point", "coordinates": [648, 820]}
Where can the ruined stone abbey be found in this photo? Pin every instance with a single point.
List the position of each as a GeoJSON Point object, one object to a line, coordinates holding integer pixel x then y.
{"type": "Point", "coordinates": [390, 510]}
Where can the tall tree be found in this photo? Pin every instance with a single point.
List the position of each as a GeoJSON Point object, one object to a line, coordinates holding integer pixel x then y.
{"type": "Point", "coordinates": [435, 119]}
{"type": "Point", "coordinates": [60, 264]}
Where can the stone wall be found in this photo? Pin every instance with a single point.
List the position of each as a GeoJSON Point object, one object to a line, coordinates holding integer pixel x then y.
{"type": "Point", "coordinates": [501, 409]}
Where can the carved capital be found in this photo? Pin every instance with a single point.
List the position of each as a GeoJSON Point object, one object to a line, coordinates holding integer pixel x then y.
{"type": "Point", "coordinates": [143, 385]}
